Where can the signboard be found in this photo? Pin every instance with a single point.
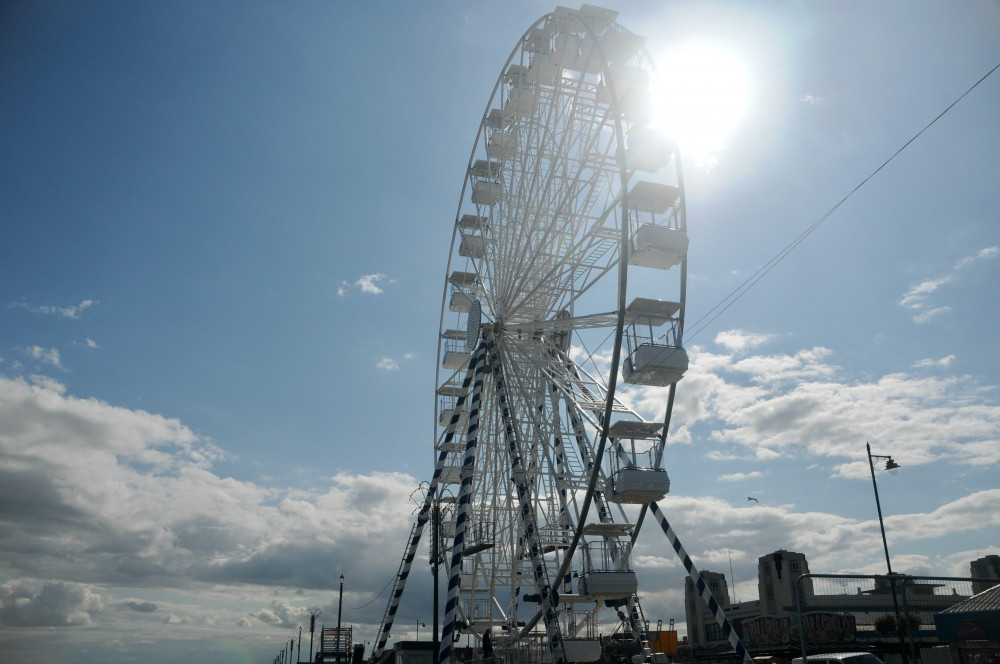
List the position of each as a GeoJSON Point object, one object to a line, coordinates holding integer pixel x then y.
{"type": "Point", "coordinates": [780, 630]}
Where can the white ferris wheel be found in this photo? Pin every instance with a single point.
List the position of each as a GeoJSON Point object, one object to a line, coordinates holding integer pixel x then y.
{"type": "Point", "coordinates": [565, 287]}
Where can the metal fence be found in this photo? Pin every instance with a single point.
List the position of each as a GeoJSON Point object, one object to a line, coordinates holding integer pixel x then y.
{"type": "Point", "coordinates": [892, 614]}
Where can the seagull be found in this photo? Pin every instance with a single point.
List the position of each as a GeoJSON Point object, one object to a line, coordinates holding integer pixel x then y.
{"type": "Point", "coordinates": [753, 499]}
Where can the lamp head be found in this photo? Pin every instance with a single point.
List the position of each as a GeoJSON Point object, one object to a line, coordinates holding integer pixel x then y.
{"type": "Point", "coordinates": [341, 579]}
{"type": "Point", "coordinates": [892, 466]}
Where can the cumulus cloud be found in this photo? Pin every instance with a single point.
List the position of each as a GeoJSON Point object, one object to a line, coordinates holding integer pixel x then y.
{"type": "Point", "coordinates": [916, 298]}
{"type": "Point", "coordinates": [141, 607]}
{"type": "Point", "coordinates": [283, 614]}
{"type": "Point", "coordinates": [368, 283]}
{"type": "Point", "coordinates": [44, 355]}
{"type": "Point", "coordinates": [93, 493]}
{"type": "Point", "coordinates": [54, 604]}
{"type": "Point", "coordinates": [943, 362]}
{"type": "Point", "coordinates": [94, 496]}
{"type": "Point", "coordinates": [391, 364]}
{"type": "Point", "coordinates": [740, 340]}
{"type": "Point", "coordinates": [761, 406]}
{"type": "Point", "coordinates": [387, 364]}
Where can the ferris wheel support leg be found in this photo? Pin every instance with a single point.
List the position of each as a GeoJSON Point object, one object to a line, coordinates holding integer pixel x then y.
{"type": "Point", "coordinates": [547, 593]}
{"type": "Point", "coordinates": [422, 517]}
{"type": "Point", "coordinates": [461, 516]}
{"type": "Point", "coordinates": [706, 594]}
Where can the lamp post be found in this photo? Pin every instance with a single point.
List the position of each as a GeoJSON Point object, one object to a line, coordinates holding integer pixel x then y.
{"type": "Point", "coordinates": [340, 606]}
{"type": "Point", "coordinates": [890, 465]}
{"type": "Point", "coordinates": [312, 628]}
{"type": "Point", "coordinates": [419, 625]}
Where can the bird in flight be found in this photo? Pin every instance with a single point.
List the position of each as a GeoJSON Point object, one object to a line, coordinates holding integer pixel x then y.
{"type": "Point", "coordinates": [753, 499]}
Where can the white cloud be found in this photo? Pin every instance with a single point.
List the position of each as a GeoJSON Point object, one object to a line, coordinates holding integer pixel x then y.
{"type": "Point", "coordinates": [367, 283]}
{"type": "Point", "coordinates": [943, 362]}
{"type": "Point", "coordinates": [391, 364]}
{"type": "Point", "coordinates": [54, 604]}
{"type": "Point", "coordinates": [760, 407]}
{"type": "Point", "coordinates": [72, 311]}
{"type": "Point", "coordinates": [740, 340]}
{"type": "Point", "coordinates": [102, 494]}
{"type": "Point", "coordinates": [738, 477]}
{"type": "Point", "coordinates": [916, 297]}
{"type": "Point", "coordinates": [111, 498]}
{"type": "Point", "coordinates": [813, 101]}
{"type": "Point", "coordinates": [370, 284]}
{"type": "Point", "coordinates": [44, 355]}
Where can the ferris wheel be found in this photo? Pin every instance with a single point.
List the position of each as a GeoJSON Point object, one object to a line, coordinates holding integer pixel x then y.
{"type": "Point", "coordinates": [563, 305]}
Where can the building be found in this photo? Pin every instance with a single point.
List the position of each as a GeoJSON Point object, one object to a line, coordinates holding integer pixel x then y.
{"type": "Point", "coordinates": [972, 628]}
{"type": "Point", "coordinates": [838, 612]}
{"type": "Point", "coordinates": [776, 574]}
{"type": "Point", "coordinates": [987, 567]}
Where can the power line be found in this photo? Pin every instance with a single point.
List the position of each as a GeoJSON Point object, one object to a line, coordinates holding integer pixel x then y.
{"type": "Point", "coordinates": [752, 280]}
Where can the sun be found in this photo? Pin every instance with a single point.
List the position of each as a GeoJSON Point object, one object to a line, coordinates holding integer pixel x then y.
{"type": "Point", "coordinates": [702, 92]}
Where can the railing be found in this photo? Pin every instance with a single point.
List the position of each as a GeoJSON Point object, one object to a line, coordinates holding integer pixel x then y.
{"type": "Point", "coordinates": [871, 601]}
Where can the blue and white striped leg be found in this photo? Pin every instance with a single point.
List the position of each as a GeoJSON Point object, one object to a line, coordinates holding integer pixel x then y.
{"type": "Point", "coordinates": [706, 594]}
{"type": "Point", "coordinates": [399, 584]}
{"type": "Point", "coordinates": [528, 522]}
{"type": "Point", "coordinates": [462, 515]}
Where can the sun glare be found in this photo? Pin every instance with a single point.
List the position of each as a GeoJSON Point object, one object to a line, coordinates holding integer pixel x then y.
{"type": "Point", "coordinates": [702, 96]}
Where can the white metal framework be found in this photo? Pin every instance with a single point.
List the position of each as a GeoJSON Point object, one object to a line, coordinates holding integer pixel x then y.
{"type": "Point", "coordinates": [566, 178]}
{"type": "Point", "coordinates": [566, 277]}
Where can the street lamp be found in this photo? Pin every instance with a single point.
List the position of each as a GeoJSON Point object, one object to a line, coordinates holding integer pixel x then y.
{"type": "Point", "coordinates": [892, 467]}
{"type": "Point", "coordinates": [340, 606]}
{"type": "Point", "coordinates": [419, 625]}
{"type": "Point", "coordinates": [312, 628]}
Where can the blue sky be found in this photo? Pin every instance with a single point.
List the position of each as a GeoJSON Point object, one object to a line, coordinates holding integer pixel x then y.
{"type": "Point", "coordinates": [223, 240]}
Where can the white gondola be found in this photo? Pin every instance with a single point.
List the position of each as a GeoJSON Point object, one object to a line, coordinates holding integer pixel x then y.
{"type": "Point", "coordinates": [473, 223]}
{"type": "Point", "coordinates": [543, 70]}
{"type": "Point", "coordinates": [521, 103]}
{"type": "Point", "coordinates": [447, 409]}
{"type": "Point", "coordinates": [487, 193]}
{"type": "Point", "coordinates": [638, 486]}
{"type": "Point", "coordinates": [459, 302]}
{"type": "Point", "coordinates": [654, 364]}
{"type": "Point", "coordinates": [608, 585]}
{"type": "Point", "coordinates": [658, 247]}
{"type": "Point", "coordinates": [455, 354]}
{"type": "Point", "coordinates": [502, 145]}
{"type": "Point", "coordinates": [473, 246]}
